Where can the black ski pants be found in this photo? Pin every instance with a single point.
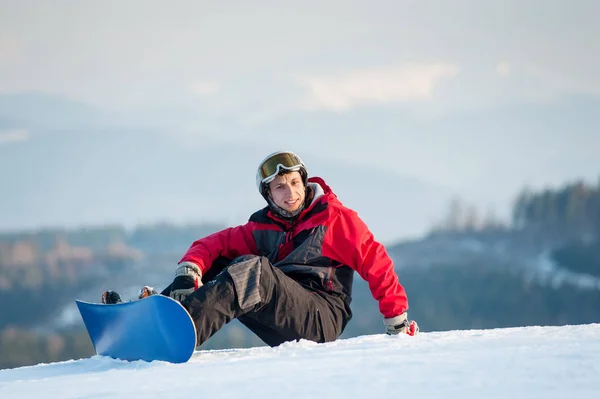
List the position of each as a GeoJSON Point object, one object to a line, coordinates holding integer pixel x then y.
{"type": "Point", "coordinates": [272, 305]}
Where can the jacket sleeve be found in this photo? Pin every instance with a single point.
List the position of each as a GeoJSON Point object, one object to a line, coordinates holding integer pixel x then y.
{"type": "Point", "coordinates": [230, 243]}
{"type": "Point", "coordinates": [349, 241]}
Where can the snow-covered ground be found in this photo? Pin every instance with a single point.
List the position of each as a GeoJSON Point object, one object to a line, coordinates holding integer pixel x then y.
{"type": "Point", "coordinates": [528, 362]}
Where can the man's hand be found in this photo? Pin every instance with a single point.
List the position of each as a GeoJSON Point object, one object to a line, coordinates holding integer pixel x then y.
{"type": "Point", "coordinates": [400, 325]}
{"type": "Point", "coordinates": [187, 280]}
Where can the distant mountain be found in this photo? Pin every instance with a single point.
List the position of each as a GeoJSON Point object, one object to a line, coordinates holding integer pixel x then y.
{"type": "Point", "coordinates": [130, 177]}
{"type": "Point", "coordinates": [84, 165]}
{"type": "Point", "coordinates": [6, 123]}
{"type": "Point", "coordinates": [46, 112]}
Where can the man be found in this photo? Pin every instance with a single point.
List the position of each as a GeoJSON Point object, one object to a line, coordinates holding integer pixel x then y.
{"type": "Point", "coordinates": [287, 273]}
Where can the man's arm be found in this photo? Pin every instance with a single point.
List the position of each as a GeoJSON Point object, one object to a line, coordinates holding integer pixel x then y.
{"type": "Point", "coordinates": [230, 243]}
{"type": "Point", "coordinates": [350, 241]}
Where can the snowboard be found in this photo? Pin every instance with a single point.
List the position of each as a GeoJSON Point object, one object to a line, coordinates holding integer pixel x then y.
{"type": "Point", "coordinates": [153, 328]}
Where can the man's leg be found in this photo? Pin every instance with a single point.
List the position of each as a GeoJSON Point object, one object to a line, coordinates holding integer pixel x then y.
{"type": "Point", "coordinates": [268, 302]}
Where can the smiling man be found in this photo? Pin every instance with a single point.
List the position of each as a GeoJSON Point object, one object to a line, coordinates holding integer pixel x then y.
{"type": "Point", "coordinates": [286, 194]}
{"type": "Point", "coordinates": [287, 273]}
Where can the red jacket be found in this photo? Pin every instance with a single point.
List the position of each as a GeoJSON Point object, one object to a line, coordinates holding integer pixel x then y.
{"type": "Point", "coordinates": [320, 249]}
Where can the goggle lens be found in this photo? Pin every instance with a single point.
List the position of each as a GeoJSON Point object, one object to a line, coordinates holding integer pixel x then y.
{"type": "Point", "coordinates": [272, 166]}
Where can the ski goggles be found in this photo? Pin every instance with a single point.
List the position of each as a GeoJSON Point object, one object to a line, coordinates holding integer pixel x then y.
{"type": "Point", "coordinates": [274, 164]}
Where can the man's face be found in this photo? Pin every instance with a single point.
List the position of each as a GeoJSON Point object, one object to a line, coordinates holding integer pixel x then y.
{"type": "Point", "coordinates": [288, 191]}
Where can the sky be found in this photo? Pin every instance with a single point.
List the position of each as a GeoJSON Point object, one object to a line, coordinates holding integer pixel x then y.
{"type": "Point", "coordinates": [525, 362]}
{"type": "Point", "coordinates": [480, 99]}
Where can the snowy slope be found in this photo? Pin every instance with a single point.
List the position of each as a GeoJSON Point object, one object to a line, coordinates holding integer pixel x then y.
{"type": "Point", "coordinates": [528, 362]}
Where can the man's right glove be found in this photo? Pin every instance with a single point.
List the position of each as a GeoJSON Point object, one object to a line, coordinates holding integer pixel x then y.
{"type": "Point", "coordinates": [400, 324]}
{"type": "Point", "coordinates": [188, 278]}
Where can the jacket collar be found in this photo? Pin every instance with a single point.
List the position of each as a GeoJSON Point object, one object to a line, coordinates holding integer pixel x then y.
{"type": "Point", "coordinates": [319, 190]}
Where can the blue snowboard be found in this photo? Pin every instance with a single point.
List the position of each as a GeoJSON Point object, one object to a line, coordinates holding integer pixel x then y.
{"type": "Point", "coordinates": [153, 328]}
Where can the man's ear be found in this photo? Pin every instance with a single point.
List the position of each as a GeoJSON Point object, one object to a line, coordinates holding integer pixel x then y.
{"type": "Point", "coordinates": [308, 194]}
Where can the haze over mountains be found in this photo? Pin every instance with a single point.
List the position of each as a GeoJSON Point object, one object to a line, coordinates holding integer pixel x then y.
{"type": "Point", "coordinates": [65, 163]}
{"type": "Point", "coordinates": [128, 181]}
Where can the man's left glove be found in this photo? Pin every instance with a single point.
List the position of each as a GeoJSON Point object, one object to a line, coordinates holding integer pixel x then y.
{"type": "Point", "coordinates": [188, 278]}
{"type": "Point", "coordinates": [401, 324]}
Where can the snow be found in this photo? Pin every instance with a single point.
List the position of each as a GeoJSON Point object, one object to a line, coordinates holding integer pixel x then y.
{"type": "Point", "coordinates": [546, 271]}
{"type": "Point", "coordinates": [524, 362]}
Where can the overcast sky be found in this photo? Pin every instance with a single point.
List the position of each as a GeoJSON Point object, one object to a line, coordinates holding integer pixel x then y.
{"type": "Point", "coordinates": [236, 70]}
{"type": "Point", "coordinates": [338, 54]}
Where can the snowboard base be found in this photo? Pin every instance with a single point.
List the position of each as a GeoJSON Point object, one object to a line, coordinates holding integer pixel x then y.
{"type": "Point", "coordinates": [152, 328]}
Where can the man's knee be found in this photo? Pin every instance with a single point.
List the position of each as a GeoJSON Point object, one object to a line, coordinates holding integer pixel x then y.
{"type": "Point", "coordinates": [246, 272]}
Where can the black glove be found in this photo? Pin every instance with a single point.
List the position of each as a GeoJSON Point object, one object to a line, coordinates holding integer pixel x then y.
{"type": "Point", "coordinates": [187, 280]}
